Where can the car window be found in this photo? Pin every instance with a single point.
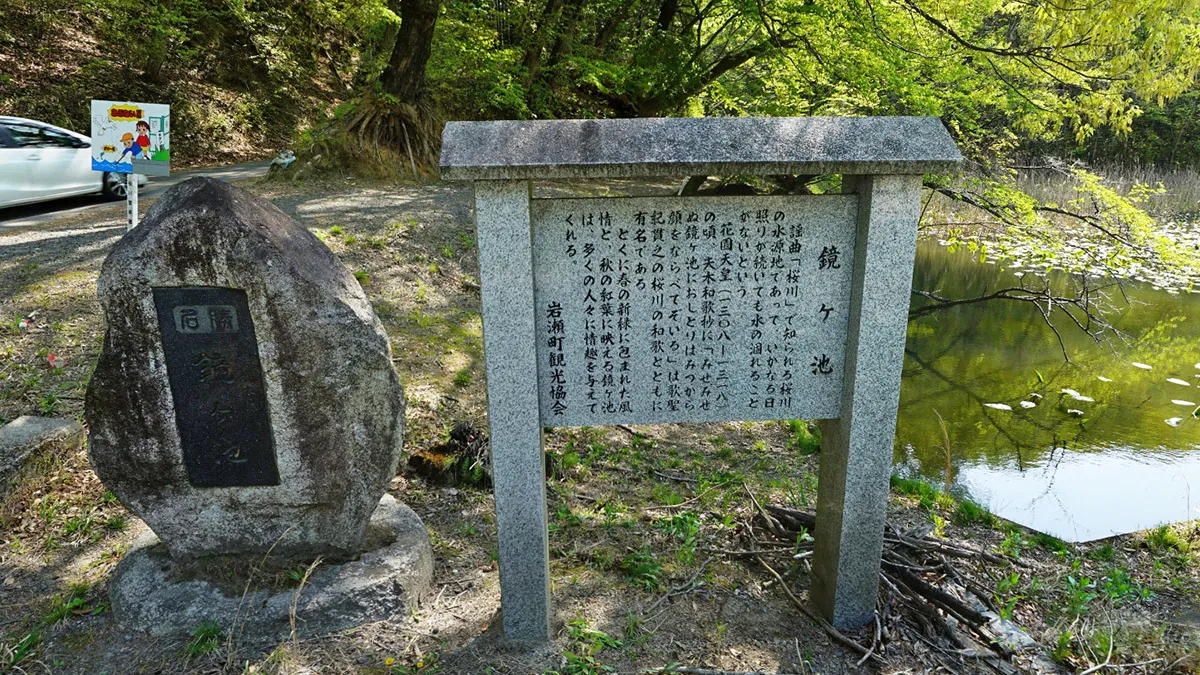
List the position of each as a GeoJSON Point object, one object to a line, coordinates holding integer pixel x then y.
{"type": "Point", "coordinates": [29, 136]}
{"type": "Point", "coordinates": [6, 140]}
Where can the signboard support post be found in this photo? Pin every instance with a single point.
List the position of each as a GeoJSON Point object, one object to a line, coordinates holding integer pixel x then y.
{"type": "Point", "coordinates": [131, 201]}
{"type": "Point", "coordinates": [503, 230]}
{"type": "Point", "coordinates": [856, 449]}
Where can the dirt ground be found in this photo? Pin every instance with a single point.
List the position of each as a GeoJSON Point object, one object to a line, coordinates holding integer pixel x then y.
{"type": "Point", "coordinates": [654, 532]}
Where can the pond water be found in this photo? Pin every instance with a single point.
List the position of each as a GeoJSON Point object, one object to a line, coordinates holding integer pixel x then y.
{"type": "Point", "coordinates": [1119, 451]}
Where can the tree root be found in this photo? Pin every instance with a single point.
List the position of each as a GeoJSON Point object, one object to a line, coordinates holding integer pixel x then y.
{"type": "Point", "coordinates": [378, 138]}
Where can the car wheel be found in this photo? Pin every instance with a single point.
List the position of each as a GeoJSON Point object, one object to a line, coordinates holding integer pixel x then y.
{"type": "Point", "coordinates": [113, 186]}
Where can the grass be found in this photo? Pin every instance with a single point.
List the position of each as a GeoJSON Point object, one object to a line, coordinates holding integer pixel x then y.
{"type": "Point", "coordinates": [18, 650]}
{"type": "Point", "coordinates": [206, 638]}
{"type": "Point", "coordinates": [462, 378]}
{"type": "Point", "coordinates": [642, 569]}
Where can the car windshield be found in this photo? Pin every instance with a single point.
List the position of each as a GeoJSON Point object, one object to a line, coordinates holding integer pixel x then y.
{"type": "Point", "coordinates": [30, 136]}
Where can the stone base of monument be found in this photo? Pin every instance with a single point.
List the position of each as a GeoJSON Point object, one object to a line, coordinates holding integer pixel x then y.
{"type": "Point", "coordinates": [153, 593]}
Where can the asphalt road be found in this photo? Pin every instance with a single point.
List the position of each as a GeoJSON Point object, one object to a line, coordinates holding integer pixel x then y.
{"type": "Point", "coordinates": [46, 212]}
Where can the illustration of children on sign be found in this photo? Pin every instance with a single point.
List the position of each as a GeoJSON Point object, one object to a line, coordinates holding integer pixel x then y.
{"type": "Point", "coordinates": [132, 148]}
{"type": "Point", "coordinates": [143, 138]}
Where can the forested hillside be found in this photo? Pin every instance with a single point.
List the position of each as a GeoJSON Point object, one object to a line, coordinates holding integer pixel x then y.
{"type": "Point", "coordinates": [1099, 81]}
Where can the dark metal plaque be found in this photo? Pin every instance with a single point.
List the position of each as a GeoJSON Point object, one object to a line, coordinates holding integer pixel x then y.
{"type": "Point", "coordinates": [217, 384]}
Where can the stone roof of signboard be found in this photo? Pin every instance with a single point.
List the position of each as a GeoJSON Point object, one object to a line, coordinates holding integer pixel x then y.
{"type": "Point", "coordinates": [695, 146]}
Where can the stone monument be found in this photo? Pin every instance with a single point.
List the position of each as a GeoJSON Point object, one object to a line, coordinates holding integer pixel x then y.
{"type": "Point", "coordinates": [245, 404]}
{"type": "Point", "coordinates": [697, 309]}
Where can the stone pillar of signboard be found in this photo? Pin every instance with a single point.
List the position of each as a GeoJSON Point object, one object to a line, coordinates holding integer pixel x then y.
{"type": "Point", "coordinates": [818, 334]}
{"type": "Point", "coordinates": [246, 408]}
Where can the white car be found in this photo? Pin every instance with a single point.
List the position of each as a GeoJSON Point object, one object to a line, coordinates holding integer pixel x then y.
{"type": "Point", "coordinates": [40, 161]}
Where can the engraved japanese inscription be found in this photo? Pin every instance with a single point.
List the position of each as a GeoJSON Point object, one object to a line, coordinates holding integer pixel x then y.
{"type": "Point", "coordinates": [217, 386]}
{"type": "Point", "coordinates": [692, 309]}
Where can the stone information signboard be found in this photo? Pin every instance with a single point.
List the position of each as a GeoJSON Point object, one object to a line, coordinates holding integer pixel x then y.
{"type": "Point", "coordinates": [217, 386]}
{"type": "Point", "coordinates": [697, 309]}
{"type": "Point", "coordinates": [691, 310]}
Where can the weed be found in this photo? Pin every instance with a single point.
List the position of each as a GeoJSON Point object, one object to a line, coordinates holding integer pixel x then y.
{"type": "Point", "coordinates": [565, 518]}
{"type": "Point", "coordinates": [970, 513]}
{"type": "Point", "coordinates": [642, 569]}
{"type": "Point", "coordinates": [49, 404]}
{"type": "Point", "coordinates": [684, 527]}
{"type": "Point", "coordinates": [363, 277]}
{"type": "Point", "coordinates": [939, 525]}
{"type": "Point", "coordinates": [1118, 586]}
{"type": "Point", "coordinates": [465, 241]}
{"type": "Point", "coordinates": [206, 638]}
{"type": "Point", "coordinates": [376, 243]}
{"type": "Point", "coordinates": [1163, 539]}
{"type": "Point", "coordinates": [1062, 648]}
{"type": "Point", "coordinates": [336, 230]}
{"type": "Point", "coordinates": [462, 378]}
{"type": "Point", "coordinates": [17, 650]}
{"type": "Point", "coordinates": [434, 268]}
{"type": "Point", "coordinates": [1013, 544]}
{"type": "Point", "coordinates": [805, 438]}
{"type": "Point", "coordinates": [1051, 543]}
{"type": "Point", "coordinates": [349, 239]}
{"type": "Point", "coordinates": [586, 643]}
{"type": "Point", "coordinates": [116, 523]}
{"type": "Point", "coordinates": [1080, 594]}
{"type": "Point", "coordinates": [1102, 553]}
{"type": "Point", "coordinates": [1005, 607]}
{"type": "Point", "coordinates": [446, 252]}
{"type": "Point", "coordinates": [79, 527]}
{"type": "Point", "coordinates": [924, 492]}
{"type": "Point", "coordinates": [75, 602]}
{"type": "Point", "coordinates": [1009, 583]}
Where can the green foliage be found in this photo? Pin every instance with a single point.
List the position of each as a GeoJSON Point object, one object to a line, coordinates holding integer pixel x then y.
{"type": "Point", "coordinates": [462, 378]}
{"type": "Point", "coordinates": [206, 638]}
{"type": "Point", "coordinates": [970, 513]}
{"type": "Point", "coordinates": [1013, 544]}
{"type": "Point", "coordinates": [15, 650]}
{"type": "Point", "coordinates": [804, 439]}
{"type": "Point", "coordinates": [1080, 594]}
{"type": "Point", "coordinates": [684, 527]}
{"type": "Point", "coordinates": [1163, 539]}
{"type": "Point", "coordinates": [585, 643]}
{"type": "Point", "coordinates": [643, 569]}
{"type": "Point", "coordinates": [75, 602]}
{"type": "Point", "coordinates": [1118, 587]}
{"type": "Point", "coordinates": [1062, 647]}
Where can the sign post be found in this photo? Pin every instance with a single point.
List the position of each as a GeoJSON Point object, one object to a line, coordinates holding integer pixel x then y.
{"type": "Point", "coordinates": [646, 310]}
{"type": "Point", "coordinates": [131, 202]}
{"type": "Point", "coordinates": [128, 136]}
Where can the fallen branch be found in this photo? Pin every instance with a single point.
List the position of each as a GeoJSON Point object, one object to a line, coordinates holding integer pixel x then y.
{"type": "Point", "coordinates": [832, 632]}
{"type": "Point", "coordinates": [681, 589]}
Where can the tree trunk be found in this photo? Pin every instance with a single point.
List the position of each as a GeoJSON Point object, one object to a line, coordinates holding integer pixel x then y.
{"type": "Point", "coordinates": [404, 76]}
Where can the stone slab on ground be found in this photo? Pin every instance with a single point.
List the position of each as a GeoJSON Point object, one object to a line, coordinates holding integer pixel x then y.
{"type": "Point", "coordinates": [148, 594]}
{"type": "Point", "coordinates": [25, 436]}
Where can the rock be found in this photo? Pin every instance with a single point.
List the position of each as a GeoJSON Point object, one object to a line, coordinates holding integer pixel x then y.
{"type": "Point", "coordinates": [152, 592]}
{"type": "Point", "coordinates": [245, 399]}
{"type": "Point", "coordinates": [25, 436]}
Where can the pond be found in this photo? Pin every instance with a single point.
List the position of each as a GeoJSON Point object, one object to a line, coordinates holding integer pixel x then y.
{"type": "Point", "coordinates": [1102, 445]}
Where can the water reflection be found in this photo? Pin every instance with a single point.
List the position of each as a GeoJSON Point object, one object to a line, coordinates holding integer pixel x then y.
{"type": "Point", "coordinates": [1060, 447]}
